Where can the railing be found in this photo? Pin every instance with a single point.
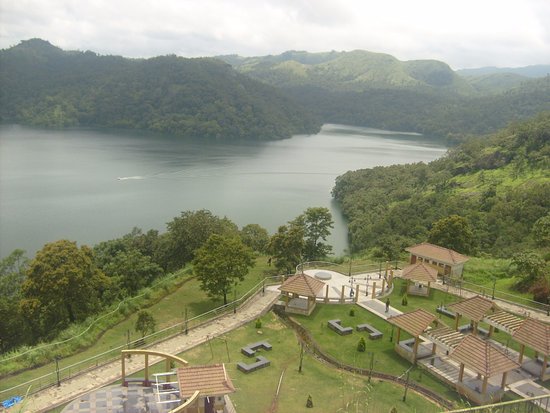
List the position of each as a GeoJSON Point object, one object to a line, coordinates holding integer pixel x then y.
{"type": "Point", "coordinates": [354, 269]}
{"type": "Point", "coordinates": [534, 404]}
{"type": "Point", "coordinates": [65, 373]}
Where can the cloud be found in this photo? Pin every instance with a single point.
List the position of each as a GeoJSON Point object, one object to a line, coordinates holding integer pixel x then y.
{"type": "Point", "coordinates": [464, 34]}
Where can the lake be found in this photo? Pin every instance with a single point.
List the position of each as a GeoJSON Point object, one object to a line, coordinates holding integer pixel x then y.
{"type": "Point", "coordinates": [89, 186]}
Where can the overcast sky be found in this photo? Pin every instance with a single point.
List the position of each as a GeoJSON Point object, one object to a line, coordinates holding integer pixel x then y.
{"type": "Point", "coordinates": [463, 33]}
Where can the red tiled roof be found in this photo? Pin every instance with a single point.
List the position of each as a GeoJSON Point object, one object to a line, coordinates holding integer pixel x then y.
{"type": "Point", "coordinates": [210, 380]}
{"type": "Point", "coordinates": [534, 334]}
{"type": "Point", "coordinates": [437, 253]}
{"type": "Point", "coordinates": [420, 272]}
{"type": "Point", "coordinates": [482, 357]}
{"type": "Point", "coordinates": [415, 322]}
{"type": "Point", "coordinates": [302, 284]}
{"type": "Point", "coordinates": [475, 308]}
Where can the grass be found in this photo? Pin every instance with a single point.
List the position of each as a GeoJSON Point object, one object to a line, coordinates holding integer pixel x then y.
{"type": "Point", "coordinates": [331, 390]}
{"type": "Point", "coordinates": [167, 311]}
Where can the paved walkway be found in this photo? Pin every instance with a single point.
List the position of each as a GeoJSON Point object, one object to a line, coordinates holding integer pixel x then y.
{"type": "Point", "coordinates": [105, 375]}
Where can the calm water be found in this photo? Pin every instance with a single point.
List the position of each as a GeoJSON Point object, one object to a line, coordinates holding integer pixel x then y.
{"type": "Point", "coordinates": [91, 186]}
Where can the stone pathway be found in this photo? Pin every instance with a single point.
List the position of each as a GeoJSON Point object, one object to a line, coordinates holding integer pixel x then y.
{"type": "Point", "coordinates": [109, 373]}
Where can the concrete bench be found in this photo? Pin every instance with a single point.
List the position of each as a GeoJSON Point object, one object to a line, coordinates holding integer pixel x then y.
{"type": "Point", "coordinates": [336, 325]}
{"type": "Point", "coordinates": [260, 363]}
{"type": "Point", "coordinates": [250, 349]}
{"type": "Point", "coordinates": [467, 328]}
{"type": "Point", "coordinates": [445, 311]}
{"type": "Point", "coordinates": [374, 334]}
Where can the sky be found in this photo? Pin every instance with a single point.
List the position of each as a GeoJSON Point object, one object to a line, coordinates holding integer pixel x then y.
{"type": "Point", "coordinates": [462, 33]}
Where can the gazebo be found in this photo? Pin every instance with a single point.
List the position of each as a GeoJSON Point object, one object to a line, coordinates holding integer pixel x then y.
{"type": "Point", "coordinates": [414, 323]}
{"type": "Point", "coordinates": [486, 361]}
{"type": "Point", "coordinates": [212, 383]}
{"type": "Point", "coordinates": [421, 274]}
{"type": "Point", "coordinates": [300, 292]}
{"type": "Point", "coordinates": [536, 335]}
{"type": "Point", "coordinates": [476, 309]}
{"type": "Point", "coordinates": [444, 260]}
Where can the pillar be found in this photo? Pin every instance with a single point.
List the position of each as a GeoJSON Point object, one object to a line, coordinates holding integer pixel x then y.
{"type": "Point", "coordinates": [146, 369]}
{"type": "Point", "coordinates": [398, 336]}
{"type": "Point", "coordinates": [461, 372]}
{"type": "Point", "coordinates": [326, 294]}
{"type": "Point", "coordinates": [429, 282]}
{"type": "Point", "coordinates": [415, 348]}
{"type": "Point", "coordinates": [342, 298]}
{"type": "Point", "coordinates": [503, 383]}
{"type": "Point", "coordinates": [390, 281]}
{"type": "Point", "coordinates": [122, 363]}
{"type": "Point", "coordinates": [543, 369]}
{"type": "Point", "coordinates": [491, 331]}
{"type": "Point", "coordinates": [484, 385]}
{"type": "Point", "coordinates": [521, 352]}
{"type": "Point", "coordinates": [433, 348]}
{"type": "Point", "coordinates": [374, 289]}
{"type": "Point", "coordinates": [356, 296]}
{"type": "Point", "coordinates": [383, 285]}
{"type": "Point", "coordinates": [457, 320]}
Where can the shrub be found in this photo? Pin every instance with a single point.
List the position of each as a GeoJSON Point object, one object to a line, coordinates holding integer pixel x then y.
{"type": "Point", "coordinates": [258, 323]}
{"type": "Point", "coordinates": [362, 345]}
{"type": "Point", "coordinates": [352, 312]}
{"type": "Point", "coordinates": [404, 301]}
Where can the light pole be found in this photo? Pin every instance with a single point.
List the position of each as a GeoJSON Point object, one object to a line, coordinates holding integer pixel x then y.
{"type": "Point", "coordinates": [57, 370]}
{"type": "Point", "coordinates": [494, 286]}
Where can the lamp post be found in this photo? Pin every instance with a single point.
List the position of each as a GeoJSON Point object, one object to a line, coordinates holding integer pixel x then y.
{"type": "Point", "coordinates": [494, 286]}
{"type": "Point", "coordinates": [57, 370]}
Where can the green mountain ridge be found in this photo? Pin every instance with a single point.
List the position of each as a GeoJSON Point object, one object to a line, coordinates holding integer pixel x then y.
{"type": "Point", "coordinates": [43, 85]}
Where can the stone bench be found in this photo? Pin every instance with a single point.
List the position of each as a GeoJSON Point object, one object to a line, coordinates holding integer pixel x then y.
{"type": "Point", "coordinates": [336, 325]}
{"type": "Point", "coordinates": [260, 363]}
{"type": "Point", "coordinates": [445, 311]}
{"type": "Point", "coordinates": [467, 328]}
{"type": "Point", "coordinates": [250, 349]}
{"type": "Point", "coordinates": [374, 334]}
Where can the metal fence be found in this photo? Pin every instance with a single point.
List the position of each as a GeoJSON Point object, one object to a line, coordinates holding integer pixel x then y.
{"type": "Point", "coordinates": [64, 373]}
{"type": "Point", "coordinates": [536, 404]}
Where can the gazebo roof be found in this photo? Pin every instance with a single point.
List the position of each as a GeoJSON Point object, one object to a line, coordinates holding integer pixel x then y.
{"type": "Point", "coordinates": [482, 357]}
{"type": "Point", "coordinates": [302, 284]}
{"type": "Point", "coordinates": [420, 272]}
{"type": "Point", "coordinates": [534, 334]}
{"type": "Point", "coordinates": [415, 322]}
{"type": "Point", "coordinates": [210, 380]}
{"type": "Point", "coordinates": [475, 308]}
{"type": "Point", "coordinates": [440, 254]}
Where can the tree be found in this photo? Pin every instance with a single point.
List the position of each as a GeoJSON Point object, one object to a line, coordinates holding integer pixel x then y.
{"type": "Point", "coordinates": [316, 223]}
{"type": "Point", "coordinates": [220, 262]}
{"type": "Point", "coordinates": [255, 237]}
{"type": "Point", "coordinates": [541, 231]}
{"type": "Point", "coordinates": [453, 232]}
{"type": "Point", "coordinates": [286, 246]}
{"type": "Point", "coordinates": [190, 231]}
{"type": "Point", "coordinates": [145, 323]}
{"type": "Point", "coordinates": [12, 273]}
{"type": "Point", "coordinates": [528, 267]}
{"type": "Point", "coordinates": [63, 285]}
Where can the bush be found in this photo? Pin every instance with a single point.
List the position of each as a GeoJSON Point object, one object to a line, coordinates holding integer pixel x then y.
{"type": "Point", "coordinates": [362, 345]}
{"type": "Point", "coordinates": [352, 312]}
{"type": "Point", "coordinates": [258, 323]}
{"type": "Point", "coordinates": [404, 301]}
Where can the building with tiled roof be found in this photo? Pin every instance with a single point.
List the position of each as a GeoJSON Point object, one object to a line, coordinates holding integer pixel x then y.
{"type": "Point", "coordinates": [300, 293]}
{"type": "Point", "coordinates": [534, 334]}
{"type": "Point", "coordinates": [422, 275]}
{"type": "Point", "coordinates": [447, 261]}
{"type": "Point", "coordinates": [484, 359]}
{"type": "Point", "coordinates": [212, 382]}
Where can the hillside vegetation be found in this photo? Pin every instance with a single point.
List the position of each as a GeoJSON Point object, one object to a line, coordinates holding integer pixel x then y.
{"type": "Point", "coordinates": [500, 184]}
{"type": "Point", "coordinates": [377, 90]}
{"type": "Point", "coordinates": [43, 85]}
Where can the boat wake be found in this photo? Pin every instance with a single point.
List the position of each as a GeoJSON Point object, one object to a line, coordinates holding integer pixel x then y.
{"type": "Point", "coordinates": [126, 178]}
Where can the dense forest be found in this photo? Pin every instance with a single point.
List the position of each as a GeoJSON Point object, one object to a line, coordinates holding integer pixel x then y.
{"type": "Point", "coordinates": [498, 185]}
{"type": "Point", "coordinates": [43, 85]}
{"type": "Point", "coordinates": [377, 90]}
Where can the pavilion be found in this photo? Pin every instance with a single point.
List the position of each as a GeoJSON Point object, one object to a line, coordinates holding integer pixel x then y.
{"type": "Point", "coordinates": [534, 334]}
{"type": "Point", "coordinates": [486, 361]}
{"type": "Point", "coordinates": [414, 323]}
{"type": "Point", "coordinates": [476, 308]}
{"type": "Point", "coordinates": [300, 293]}
{"type": "Point", "coordinates": [447, 262]}
{"type": "Point", "coordinates": [422, 275]}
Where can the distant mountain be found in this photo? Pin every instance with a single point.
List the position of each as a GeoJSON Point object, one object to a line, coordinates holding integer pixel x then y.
{"type": "Point", "coordinates": [377, 90]}
{"type": "Point", "coordinates": [527, 71]}
{"type": "Point", "coordinates": [40, 84]}
{"type": "Point", "coordinates": [350, 71]}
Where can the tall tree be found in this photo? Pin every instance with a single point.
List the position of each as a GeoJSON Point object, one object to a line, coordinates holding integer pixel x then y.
{"type": "Point", "coordinates": [316, 223]}
{"type": "Point", "coordinates": [145, 323]}
{"type": "Point", "coordinates": [221, 262]}
{"type": "Point", "coordinates": [255, 237]}
{"type": "Point", "coordinates": [286, 247]}
{"type": "Point", "coordinates": [453, 232]}
{"type": "Point", "coordinates": [190, 231]}
{"type": "Point", "coordinates": [63, 285]}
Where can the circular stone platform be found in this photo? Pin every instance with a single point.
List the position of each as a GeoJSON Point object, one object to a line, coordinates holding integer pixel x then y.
{"type": "Point", "coordinates": [323, 275]}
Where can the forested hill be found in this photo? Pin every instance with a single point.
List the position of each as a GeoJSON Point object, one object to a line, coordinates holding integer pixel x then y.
{"type": "Point", "coordinates": [378, 90]}
{"type": "Point", "coordinates": [500, 184]}
{"type": "Point", "coordinates": [43, 85]}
